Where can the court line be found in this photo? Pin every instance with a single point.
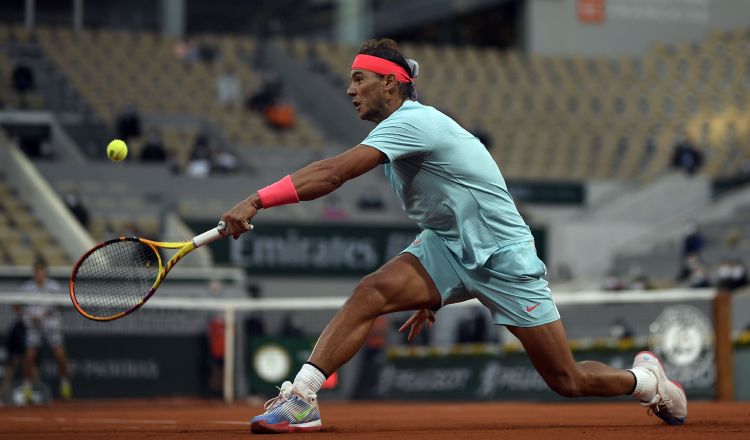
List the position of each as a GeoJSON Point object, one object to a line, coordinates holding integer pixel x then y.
{"type": "Point", "coordinates": [30, 419]}
{"type": "Point", "coordinates": [22, 419]}
{"type": "Point", "coordinates": [228, 422]}
{"type": "Point", "coordinates": [113, 420]}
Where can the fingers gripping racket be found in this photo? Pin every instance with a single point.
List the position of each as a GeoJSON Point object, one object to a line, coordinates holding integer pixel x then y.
{"type": "Point", "coordinates": [116, 277]}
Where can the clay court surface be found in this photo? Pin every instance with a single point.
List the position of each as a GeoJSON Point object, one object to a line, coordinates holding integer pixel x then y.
{"type": "Point", "coordinates": [191, 419]}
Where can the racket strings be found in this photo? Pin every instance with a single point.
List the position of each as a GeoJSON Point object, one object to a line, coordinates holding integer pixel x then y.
{"type": "Point", "coordinates": [115, 278]}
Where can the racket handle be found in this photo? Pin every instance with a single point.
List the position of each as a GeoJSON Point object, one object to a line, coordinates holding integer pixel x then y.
{"type": "Point", "coordinates": [211, 235]}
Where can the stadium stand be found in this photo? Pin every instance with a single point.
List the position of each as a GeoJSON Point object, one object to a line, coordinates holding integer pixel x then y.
{"type": "Point", "coordinates": [613, 105]}
{"type": "Point", "coordinates": [102, 64]}
{"type": "Point", "coordinates": [661, 258]}
{"type": "Point", "coordinates": [10, 98]}
{"type": "Point", "coordinates": [113, 210]}
{"type": "Point", "coordinates": [22, 239]}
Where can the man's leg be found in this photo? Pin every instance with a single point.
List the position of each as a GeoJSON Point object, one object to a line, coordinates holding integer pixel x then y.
{"type": "Point", "coordinates": [647, 381]}
{"type": "Point", "coordinates": [29, 372]}
{"type": "Point", "coordinates": [15, 361]}
{"type": "Point", "coordinates": [401, 284]}
{"type": "Point", "coordinates": [62, 361]}
{"type": "Point", "coordinates": [66, 390]}
{"type": "Point", "coordinates": [547, 347]}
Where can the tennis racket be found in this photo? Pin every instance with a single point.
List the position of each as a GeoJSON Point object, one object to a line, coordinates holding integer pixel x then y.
{"type": "Point", "coordinates": [116, 277]}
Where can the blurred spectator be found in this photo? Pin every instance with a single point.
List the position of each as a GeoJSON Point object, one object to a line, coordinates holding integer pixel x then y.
{"type": "Point", "coordinates": [216, 338]}
{"type": "Point", "coordinates": [640, 282]}
{"type": "Point", "coordinates": [199, 164]}
{"type": "Point", "coordinates": [732, 242]}
{"type": "Point", "coordinates": [333, 209]}
{"type": "Point", "coordinates": [291, 325]}
{"type": "Point", "coordinates": [473, 327]}
{"type": "Point", "coordinates": [205, 158]}
{"type": "Point", "coordinates": [613, 282]}
{"type": "Point", "coordinates": [224, 161]}
{"type": "Point", "coordinates": [268, 93]}
{"type": "Point", "coordinates": [35, 147]}
{"type": "Point", "coordinates": [128, 123]}
{"type": "Point", "coordinates": [280, 115]}
{"type": "Point", "coordinates": [153, 149]}
{"type": "Point", "coordinates": [620, 329]}
{"type": "Point", "coordinates": [377, 338]}
{"type": "Point", "coordinates": [638, 279]}
{"type": "Point", "coordinates": [43, 324]}
{"type": "Point", "coordinates": [16, 349]}
{"type": "Point", "coordinates": [692, 242]}
{"type": "Point", "coordinates": [207, 52]}
{"type": "Point", "coordinates": [186, 50]}
{"type": "Point", "coordinates": [370, 200]}
{"type": "Point", "coordinates": [694, 273]}
{"type": "Point", "coordinates": [692, 270]}
{"type": "Point", "coordinates": [731, 274]}
{"type": "Point", "coordinates": [23, 81]}
{"type": "Point", "coordinates": [228, 89]}
{"type": "Point", "coordinates": [483, 135]}
{"type": "Point", "coordinates": [686, 156]}
{"type": "Point", "coordinates": [201, 146]}
{"type": "Point", "coordinates": [76, 206]}
{"type": "Point", "coordinates": [254, 326]}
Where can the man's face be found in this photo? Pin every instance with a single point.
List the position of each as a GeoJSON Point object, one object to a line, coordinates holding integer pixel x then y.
{"type": "Point", "coordinates": [367, 91]}
{"type": "Point", "coordinates": [40, 275]}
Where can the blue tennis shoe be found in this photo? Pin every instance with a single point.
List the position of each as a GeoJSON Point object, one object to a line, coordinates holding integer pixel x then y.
{"type": "Point", "coordinates": [288, 412]}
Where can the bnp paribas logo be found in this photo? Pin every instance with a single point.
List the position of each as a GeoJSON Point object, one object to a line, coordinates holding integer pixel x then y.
{"type": "Point", "coordinates": [682, 336]}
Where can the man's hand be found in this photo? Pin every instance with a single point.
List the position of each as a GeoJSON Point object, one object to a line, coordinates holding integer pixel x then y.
{"type": "Point", "coordinates": [238, 218]}
{"type": "Point", "coordinates": [417, 321]}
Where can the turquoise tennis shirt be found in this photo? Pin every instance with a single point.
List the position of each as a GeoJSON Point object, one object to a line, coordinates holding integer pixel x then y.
{"type": "Point", "coordinates": [447, 182]}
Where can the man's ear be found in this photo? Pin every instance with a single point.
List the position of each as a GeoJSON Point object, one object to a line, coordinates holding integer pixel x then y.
{"type": "Point", "coordinates": [390, 82]}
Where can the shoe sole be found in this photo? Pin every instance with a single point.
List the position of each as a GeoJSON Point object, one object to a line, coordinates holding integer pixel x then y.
{"type": "Point", "coordinates": [261, 427]}
{"type": "Point", "coordinates": [668, 418]}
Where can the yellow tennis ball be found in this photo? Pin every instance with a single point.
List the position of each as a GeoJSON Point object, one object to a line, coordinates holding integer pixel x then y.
{"type": "Point", "coordinates": [117, 150]}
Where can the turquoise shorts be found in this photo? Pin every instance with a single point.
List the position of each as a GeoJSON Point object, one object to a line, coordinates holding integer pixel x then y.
{"type": "Point", "coordinates": [511, 283]}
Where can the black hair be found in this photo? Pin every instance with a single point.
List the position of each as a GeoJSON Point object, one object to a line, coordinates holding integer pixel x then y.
{"type": "Point", "coordinates": [39, 263]}
{"type": "Point", "coordinates": [387, 49]}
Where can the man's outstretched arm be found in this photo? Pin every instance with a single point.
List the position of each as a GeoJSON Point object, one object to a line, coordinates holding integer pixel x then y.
{"type": "Point", "coordinates": [324, 176]}
{"type": "Point", "coordinates": [313, 181]}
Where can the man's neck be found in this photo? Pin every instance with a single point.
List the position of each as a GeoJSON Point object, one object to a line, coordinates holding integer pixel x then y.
{"type": "Point", "coordinates": [390, 108]}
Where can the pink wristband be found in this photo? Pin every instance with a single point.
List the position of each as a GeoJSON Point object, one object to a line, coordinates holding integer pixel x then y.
{"type": "Point", "coordinates": [279, 193]}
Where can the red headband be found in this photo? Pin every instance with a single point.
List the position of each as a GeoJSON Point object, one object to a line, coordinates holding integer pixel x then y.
{"type": "Point", "coordinates": [381, 66]}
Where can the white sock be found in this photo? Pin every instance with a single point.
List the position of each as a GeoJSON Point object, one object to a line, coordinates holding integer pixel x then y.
{"type": "Point", "coordinates": [309, 380]}
{"type": "Point", "coordinates": [645, 384]}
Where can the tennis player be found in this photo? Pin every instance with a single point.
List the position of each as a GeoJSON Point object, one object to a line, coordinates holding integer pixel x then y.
{"type": "Point", "coordinates": [473, 244]}
{"type": "Point", "coordinates": [43, 324]}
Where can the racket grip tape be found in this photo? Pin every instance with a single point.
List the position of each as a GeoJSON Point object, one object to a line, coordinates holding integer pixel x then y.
{"type": "Point", "coordinates": [211, 235]}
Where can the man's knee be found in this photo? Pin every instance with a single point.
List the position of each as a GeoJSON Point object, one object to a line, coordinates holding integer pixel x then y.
{"type": "Point", "coordinates": [369, 294]}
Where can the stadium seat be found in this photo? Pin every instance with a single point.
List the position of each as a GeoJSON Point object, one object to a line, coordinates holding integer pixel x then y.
{"type": "Point", "coordinates": [103, 64]}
